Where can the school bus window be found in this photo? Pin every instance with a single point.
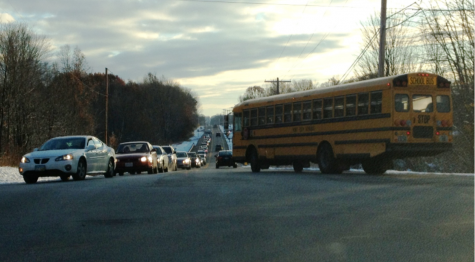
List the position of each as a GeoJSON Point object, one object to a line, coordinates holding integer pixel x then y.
{"type": "Point", "coordinates": [287, 113]}
{"type": "Point", "coordinates": [401, 103]}
{"type": "Point", "coordinates": [262, 115]}
{"type": "Point", "coordinates": [246, 117]}
{"type": "Point", "coordinates": [237, 122]}
{"type": "Point", "coordinates": [363, 103]}
{"type": "Point", "coordinates": [253, 117]}
{"type": "Point", "coordinates": [422, 103]}
{"type": "Point", "coordinates": [307, 111]}
{"type": "Point", "coordinates": [376, 102]}
{"type": "Point", "coordinates": [270, 114]}
{"type": "Point", "coordinates": [443, 104]}
{"type": "Point", "coordinates": [328, 108]}
{"type": "Point", "coordinates": [278, 114]}
{"type": "Point", "coordinates": [297, 112]}
{"type": "Point", "coordinates": [317, 109]}
{"type": "Point", "coordinates": [350, 105]}
{"type": "Point", "coordinates": [339, 106]}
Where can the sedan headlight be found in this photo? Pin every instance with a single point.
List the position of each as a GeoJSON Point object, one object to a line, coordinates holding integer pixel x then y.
{"type": "Point", "coordinates": [25, 160]}
{"type": "Point", "coordinates": [143, 159]}
{"type": "Point", "coordinates": [65, 157]}
{"type": "Point", "coordinates": [186, 160]}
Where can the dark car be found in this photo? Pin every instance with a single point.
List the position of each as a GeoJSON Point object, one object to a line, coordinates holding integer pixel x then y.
{"type": "Point", "coordinates": [136, 157]}
{"type": "Point", "coordinates": [225, 158]}
{"type": "Point", "coordinates": [218, 134]}
{"type": "Point", "coordinates": [195, 159]}
{"type": "Point", "coordinates": [218, 148]}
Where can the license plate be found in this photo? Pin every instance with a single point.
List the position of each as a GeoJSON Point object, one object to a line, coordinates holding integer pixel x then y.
{"type": "Point", "coordinates": [129, 164]}
{"type": "Point", "coordinates": [402, 138]}
{"type": "Point", "coordinates": [40, 168]}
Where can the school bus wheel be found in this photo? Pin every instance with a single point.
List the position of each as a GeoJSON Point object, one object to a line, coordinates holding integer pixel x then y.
{"type": "Point", "coordinates": [326, 161]}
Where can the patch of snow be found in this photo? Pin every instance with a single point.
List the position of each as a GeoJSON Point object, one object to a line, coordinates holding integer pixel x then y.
{"type": "Point", "coordinates": [10, 175]}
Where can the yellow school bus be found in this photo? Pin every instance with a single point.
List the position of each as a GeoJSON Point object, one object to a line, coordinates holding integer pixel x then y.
{"type": "Point", "coordinates": [369, 123]}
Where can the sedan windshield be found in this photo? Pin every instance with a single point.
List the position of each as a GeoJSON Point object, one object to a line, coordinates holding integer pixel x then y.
{"type": "Point", "coordinates": [225, 153]}
{"type": "Point", "coordinates": [181, 154]}
{"type": "Point", "coordinates": [64, 143]}
{"type": "Point", "coordinates": [132, 148]}
{"type": "Point", "coordinates": [167, 149]}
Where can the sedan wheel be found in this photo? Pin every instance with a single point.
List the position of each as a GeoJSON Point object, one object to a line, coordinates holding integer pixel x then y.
{"type": "Point", "coordinates": [30, 179]}
{"type": "Point", "coordinates": [110, 170]}
{"type": "Point", "coordinates": [81, 171]}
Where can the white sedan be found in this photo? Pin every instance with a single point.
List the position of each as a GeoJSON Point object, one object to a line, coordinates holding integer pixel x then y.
{"type": "Point", "coordinates": [68, 155]}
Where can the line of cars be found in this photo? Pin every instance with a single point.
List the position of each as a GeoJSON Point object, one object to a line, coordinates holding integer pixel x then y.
{"type": "Point", "coordinates": [78, 156]}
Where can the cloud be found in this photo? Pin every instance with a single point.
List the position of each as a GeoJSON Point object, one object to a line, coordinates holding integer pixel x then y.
{"type": "Point", "coordinates": [216, 49]}
{"type": "Point", "coordinates": [6, 18]}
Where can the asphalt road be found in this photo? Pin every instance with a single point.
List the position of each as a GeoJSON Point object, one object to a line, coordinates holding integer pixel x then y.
{"type": "Point", "coordinates": [227, 214]}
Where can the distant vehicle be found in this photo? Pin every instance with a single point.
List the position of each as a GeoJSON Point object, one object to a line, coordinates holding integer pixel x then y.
{"type": "Point", "coordinates": [171, 152]}
{"type": "Point", "coordinates": [218, 148]}
{"type": "Point", "coordinates": [162, 159]}
{"type": "Point", "coordinates": [218, 134]}
{"type": "Point", "coordinates": [225, 158]}
{"type": "Point", "coordinates": [202, 155]}
{"type": "Point", "coordinates": [195, 160]}
{"type": "Point", "coordinates": [182, 160]}
{"type": "Point", "coordinates": [136, 157]}
{"type": "Point", "coordinates": [68, 155]}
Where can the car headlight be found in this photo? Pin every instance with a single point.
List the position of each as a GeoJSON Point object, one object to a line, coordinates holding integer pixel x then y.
{"type": "Point", "coordinates": [25, 160]}
{"type": "Point", "coordinates": [150, 159]}
{"type": "Point", "coordinates": [143, 159]}
{"type": "Point", "coordinates": [186, 160]}
{"type": "Point", "coordinates": [65, 157]}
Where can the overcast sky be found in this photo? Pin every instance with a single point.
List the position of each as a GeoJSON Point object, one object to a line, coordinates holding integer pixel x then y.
{"type": "Point", "coordinates": [217, 48]}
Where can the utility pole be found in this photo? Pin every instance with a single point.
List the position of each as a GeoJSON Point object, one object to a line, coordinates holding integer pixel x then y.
{"type": "Point", "coordinates": [382, 39]}
{"type": "Point", "coordinates": [107, 100]}
{"type": "Point", "coordinates": [273, 81]}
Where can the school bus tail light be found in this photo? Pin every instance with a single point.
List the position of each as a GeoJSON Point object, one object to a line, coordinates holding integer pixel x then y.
{"type": "Point", "coordinates": [403, 122]}
{"type": "Point", "coordinates": [444, 123]}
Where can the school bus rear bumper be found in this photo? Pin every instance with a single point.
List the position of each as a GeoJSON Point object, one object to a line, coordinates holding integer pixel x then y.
{"type": "Point", "coordinates": [400, 150]}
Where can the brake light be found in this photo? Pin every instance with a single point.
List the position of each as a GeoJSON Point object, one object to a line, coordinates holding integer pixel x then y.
{"type": "Point", "coordinates": [403, 122]}
{"type": "Point", "coordinates": [444, 123]}
{"type": "Point", "coordinates": [422, 74]}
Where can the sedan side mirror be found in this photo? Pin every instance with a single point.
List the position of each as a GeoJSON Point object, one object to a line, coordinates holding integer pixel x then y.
{"type": "Point", "coordinates": [90, 147]}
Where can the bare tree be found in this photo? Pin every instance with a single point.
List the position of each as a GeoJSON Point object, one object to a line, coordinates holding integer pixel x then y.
{"type": "Point", "coordinates": [448, 34]}
{"type": "Point", "coordinates": [21, 52]}
{"type": "Point", "coordinates": [401, 56]}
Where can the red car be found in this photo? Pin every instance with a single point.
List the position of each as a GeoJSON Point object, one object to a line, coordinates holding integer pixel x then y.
{"type": "Point", "coordinates": [136, 157]}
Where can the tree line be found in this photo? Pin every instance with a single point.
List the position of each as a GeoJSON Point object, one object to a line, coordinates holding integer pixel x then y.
{"type": "Point", "coordinates": [40, 100]}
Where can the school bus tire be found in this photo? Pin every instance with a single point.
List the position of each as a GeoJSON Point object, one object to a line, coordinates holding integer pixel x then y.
{"type": "Point", "coordinates": [298, 166]}
{"type": "Point", "coordinates": [376, 167]}
{"type": "Point", "coordinates": [326, 161]}
{"type": "Point", "coordinates": [254, 160]}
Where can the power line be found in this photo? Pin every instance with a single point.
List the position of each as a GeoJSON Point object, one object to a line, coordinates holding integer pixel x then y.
{"type": "Point", "coordinates": [276, 4]}
{"type": "Point", "coordinates": [285, 46]}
